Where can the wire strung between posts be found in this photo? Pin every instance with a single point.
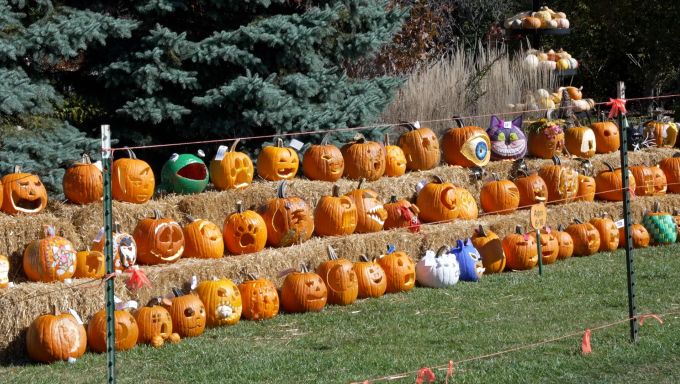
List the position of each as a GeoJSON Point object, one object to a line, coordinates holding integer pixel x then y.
{"type": "Point", "coordinates": [347, 129]}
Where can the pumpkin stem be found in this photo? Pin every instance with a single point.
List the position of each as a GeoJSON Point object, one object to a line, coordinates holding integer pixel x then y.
{"type": "Point", "coordinates": [325, 139]}
{"type": "Point", "coordinates": [336, 190]}
{"type": "Point", "coordinates": [364, 258]}
{"type": "Point", "coordinates": [281, 189]}
{"type": "Point", "coordinates": [155, 301]}
{"type": "Point", "coordinates": [677, 154]}
{"type": "Point", "coordinates": [518, 229]}
{"type": "Point", "coordinates": [408, 125]}
{"type": "Point", "coordinates": [177, 292]}
{"type": "Point", "coordinates": [55, 310]}
{"type": "Point", "coordinates": [303, 268]}
{"type": "Point", "coordinates": [279, 142]}
{"type": "Point", "coordinates": [359, 138]}
{"type": "Point", "coordinates": [86, 159]}
{"type": "Point", "coordinates": [495, 177]}
{"type": "Point", "coordinates": [332, 255]}
{"type": "Point", "coordinates": [17, 168]}
{"type": "Point", "coordinates": [438, 179]}
{"type": "Point", "coordinates": [556, 160]}
{"type": "Point", "coordinates": [481, 231]}
{"type": "Point", "coordinates": [117, 227]}
{"type": "Point", "coordinates": [233, 145]}
{"type": "Point", "coordinates": [157, 214]}
{"type": "Point", "coordinates": [361, 182]}
{"type": "Point", "coordinates": [459, 122]}
{"type": "Point", "coordinates": [441, 251]}
{"type": "Point", "coordinates": [251, 276]}
{"type": "Point", "coordinates": [657, 206]}
{"type": "Point", "coordinates": [523, 172]}
{"type": "Point", "coordinates": [130, 153]}
{"type": "Point", "coordinates": [560, 228]}
{"type": "Point", "coordinates": [189, 218]}
{"type": "Point", "coordinates": [393, 199]}
{"type": "Point", "coordinates": [676, 212]}
{"type": "Point", "coordinates": [609, 166]}
{"type": "Point", "coordinates": [578, 221]}
{"type": "Point", "coordinates": [239, 206]}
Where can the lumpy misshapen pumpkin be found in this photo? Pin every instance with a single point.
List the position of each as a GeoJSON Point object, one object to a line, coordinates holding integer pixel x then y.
{"type": "Point", "coordinates": [244, 231]}
{"type": "Point", "coordinates": [490, 249]}
{"type": "Point", "coordinates": [159, 240]}
{"type": "Point", "coordinates": [323, 161]}
{"type": "Point", "coordinates": [83, 182]}
{"type": "Point", "coordinates": [585, 236]}
{"type": "Point", "coordinates": [54, 337]}
{"type": "Point", "coordinates": [303, 291]}
{"type": "Point", "coordinates": [399, 270]}
{"type": "Point", "coordinates": [467, 146]}
{"type": "Point", "coordinates": [363, 159]}
{"type": "Point", "coordinates": [520, 250]}
{"type": "Point", "coordinates": [335, 215]}
{"type": "Point", "coordinates": [277, 162]}
{"type": "Point", "coordinates": [233, 171]}
{"type": "Point", "coordinates": [222, 301]}
{"type": "Point", "coordinates": [420, 146]}
{"type": "Point", "coordinates": [340, 279]}
{"type": "Point", "coordinates": [52, 258]}
{"type": "Point", "coordinates": [438, 270]}
{"type": "Point", "coordinates": [23, 193]}
{"type": "Point", "coordinates": [259, 298]}
{"type": "Point", "coordinates": [289, 220]}
{"type": "Point", "coordinates": [132, 180]}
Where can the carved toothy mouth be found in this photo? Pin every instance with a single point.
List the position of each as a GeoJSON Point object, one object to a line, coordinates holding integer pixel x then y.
{"type": "Point", "coordinates": [377, 214]}
{"type": "Point", "coordinates": [193, 171]}
{"type": "Point", "coordinates": [173, 257]}
{"type": "Point", "coordinates": [26, 205]}
{"type": "Point", "coordinates": [514, 149]}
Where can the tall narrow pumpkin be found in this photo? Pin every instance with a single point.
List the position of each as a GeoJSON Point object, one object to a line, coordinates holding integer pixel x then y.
{"type": "Point", "coordinates": [289, 220]}
{"type": "Point", "coordinates": [233, 171]}
{"type": "Point", "coordinates": [395, 160]}
{"type": "Point", "coordinates": [566, 243]}
{"type": "Point", "coordinates": [244, 231]}
{"type": "Point", "coordinates": [83, 182]}
{"type": "Point", "coordinates": [420, 146]}
{"type": "Point", "coordinates": [335, 215]}
{"type": "Point", "coordinates": [550, 245]}
{"type": "Point", "coordinates": [323, 161]}
{"type": "Point", "coordinates": [586, 182]}
{"type": "Point", "coordinates": [340, 279]}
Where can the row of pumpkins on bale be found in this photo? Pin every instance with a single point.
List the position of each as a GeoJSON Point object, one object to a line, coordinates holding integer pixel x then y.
{"type": "Point", "coordinates": [55, 337]}
{"type": "Point", "coordinates": [419, 149]}
{"type": "Point", "coordinates": [544, 18]}
{"type": "Point", "coordinates": [283, 220]}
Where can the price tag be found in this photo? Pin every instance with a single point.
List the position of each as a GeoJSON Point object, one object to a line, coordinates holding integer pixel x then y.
{"type": "Point", "coordinates": [538, 216]}
{"type": "Point", "coordinates": [619, 224]}
{"type": "Point", "coordinates": [221, 151]}
{"type": "Point", "coordinates": [417, 124]}
{"type": "Point", "coordinates": [76, 316]}
{"type": "Point", "coordinates": [296, 144]}
{"type": "Point", "coordinates": [99, 166]}
{"type": "Point", "coordinates": [194, 282]}
{"type": "Point", "coordinates": [507, 124]}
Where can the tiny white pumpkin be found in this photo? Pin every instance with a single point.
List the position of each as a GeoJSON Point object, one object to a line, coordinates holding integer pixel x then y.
{"type": "Point", "coordinates": [438, 270]}
{"type": "Point", "coordinates": [531, 62]}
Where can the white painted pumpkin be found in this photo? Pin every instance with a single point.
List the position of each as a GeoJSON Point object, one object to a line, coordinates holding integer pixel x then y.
{"type": "Point", "coordinates": [562, 23]}
{"type": "Point", "coordinates": [531, 62]}
{"type": "Point", "coordinates": [438, 270]}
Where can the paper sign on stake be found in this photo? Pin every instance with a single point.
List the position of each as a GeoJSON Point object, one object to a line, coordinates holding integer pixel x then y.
{"type": "Point", "coordinates": [221, 151]}
{"type": "Point", "coordinates": [296, 144]}
{"type": "Point", "coordinates": [538, 216]}
{"type": "Point", "coordinates": [619, 224]}
{"type": "Point", "coordinates": [76, 316]}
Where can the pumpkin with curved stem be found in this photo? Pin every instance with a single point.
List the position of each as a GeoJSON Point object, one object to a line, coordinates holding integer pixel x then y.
{"type": "Point", "coordinates": [660, 225]}
{"type": "Point", "coordinates": [606, 136]}
{"type": "Point", "coordinates": [371, 278]}
{"type": "Point", "coordinates": [437, 201]}
{"type": "Point", "coordinates": [259, 298]}
{"type": "Point", "coordinates": [124, 247]}
{"type": "Point", "coordinates": [277, 162]}
{"type": "Point", "coordinates": [609, 183]}
{"type": "Point", "coordinates": [664, 133]}
{"type": "Point", "coordinates": [132, 180]}
{"type": "Point", "coordinates": [4, 272]}
{"type": "Point", "coordinates": [545, 139]}
{"type": "Point", "coordinates": [562, 181]}
{"type": "Point", "coordinates": [490, 249]}
{"type": "Point", "coordinates": [639, 235]}
{"type": "Point", "coordinates": [303, 291]}
{"type": "Point", "coordinates": [467, 205]}
{"type": "Point", "coordinates": [335, 215]}
{"type": "Point", "coordinates": [499, 196]}
{"type": "Point", "coordinates": [363, 159]}
{"type": "Point", "coordinates": [187, 313]}
{"type": "Point", "coordinates": [83, 182]}
{"type": "Point", "coordinates": [399, 270]}
{"type": "Point", "coordinates": [202, 239]}
{"type": "Point", "coordinates": [395, 160]}
{"type": "Point", "coordinates": [580, 141]}
{"type": "Point", "coordinates": [54, 337]}
{"type": "Point", "coordinates": [566, 243]}
{"type": "Point", "coordinates": [222, 301]}
{"type": "Point", "coordinates": [438, 270]}
{"type": "Point", "coordinates": [467, 146]}
{"type": "Point", "coordinates": [323, 161]}
{"type": "Point", "coordinates": [159, 240]}
{"type": "Point", "coordinates": [660, 182]}
{"type": "Point", "coordinates": [155, 324]}
{"type": "Point", "coordinates": [585, 236]}
{"type": "Point", "coordinates": [90, 264]}
{"type": "Point", "coordinates": [244, 231]}
{"type": "Point", "coordinates": [289, 220]}
{"type": "Point", "coordinates": [644, 180]}
{"type": "Point", "coordinates": [671, 168]}
{"type": "Point", "coordinates": [531, 188]}
{"type": "Point", "coordinates": [609, 234]}
{"type": "Point", "coordinates": [420, 146]}
{"type": "Point", "coordinates": [371, 213]}
{"type": "Point", "coordinates": [550, 246]}
{"type": "Point", "coordinates": [586, 182]}
{"type": "Point", "coordinates": [520, 250]}
{"type": "Point", "coordinates": [340, 279]}
{"type": "Point", "coordinates": [402, 214]}
{"type": "Point", "coordinates": [234, 171]}
{"type": "Point", "coordinates": [22, 193]}
{"type": "Point", "coordinates": [49, 259]}
{"type": "Point", "coordinates": [126, 330]}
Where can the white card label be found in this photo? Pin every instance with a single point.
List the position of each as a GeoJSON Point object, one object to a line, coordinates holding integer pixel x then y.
{"type": "Point", "coordinates": [100, 235]}
{"type": "Point", "coordinates": [221, 151]}
{"type": "Point", "coordinates": [76, 316]}
{"type": "Point", "coordinates": [99, 166]}
{"type": "Point", "coordinates": [619, 224]}
{"type": "Point", "coordinates": [417, 124]}
{"type": "Point", "coordinates": [296, 144]}
{"type": "Point", "coordinates": [507, 124]}
{"type": "Point", "coordinates": [194, 282]}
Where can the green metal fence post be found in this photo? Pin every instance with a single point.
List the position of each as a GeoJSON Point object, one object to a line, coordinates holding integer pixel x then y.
{"type": "Point", "coordinates": [108, 251]}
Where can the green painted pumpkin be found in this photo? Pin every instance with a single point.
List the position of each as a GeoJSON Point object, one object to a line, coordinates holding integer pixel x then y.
{"type": "Point", "coordinates": [184, 174]}
{"type": "Point", "coordinates": [661, 226]}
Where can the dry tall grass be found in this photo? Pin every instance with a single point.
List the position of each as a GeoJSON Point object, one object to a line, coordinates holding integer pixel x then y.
{"type": "Point", "coordinates": [466, 83]}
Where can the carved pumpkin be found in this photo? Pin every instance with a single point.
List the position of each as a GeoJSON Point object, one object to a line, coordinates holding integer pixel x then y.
{"type": "Point", "coordinates": [124, 248]}
{"type": "Point", "coordinates": [4, 271]}
{"type": "Point", "coordinates": [566, 243]}
{"type": "Point", "coordinates": [586, 182]}
{"type": "Point", "coordinates": [469, 260]}
{"type": "Point", "coordinates": [585, 236]}
{"type": "Point", "coordinates": [184, 174]}
{"type": "Point", "coordinates": [606, 136]}
{"type": "Point", "coordinates": [437, 201]}
{"type": "Point", "coordinates": [155, 325]}
{"type": "Point", "coordinates": [234, 171]}
{"type": "Point", "coordinates": [303, 291]}
{"type": "Point", "coordinates": [371, 278]}
{"type": "Point", "coordinates": [609, 234]}
{"type": "Point", "coordinates": [244, 231]}
{"type": "Point", "coordinates": [671, 168]}
{"type": "Point", "coordinates": [335, 215]}
{"type": "Point", "coordinates": [399, 271]}
{"type": "Point", "coordinates": [532, 189]}
{"type": "Point", "coordinates": [562, 181]}
{"type": "Point", "coordinates": [90, 264]}
{"type": "Point", "coordinates": [520, 250]}
{"type": "Point", "coordinates": [49, 259]}
{"type": "Point", "coordinates": [277, 162]}
{"type": "Point", "coordinates": [323, 161]}
{"type": "Point", "coordinates": [660, 225]}
{"type": "Point", "coordinates": [187, 313]}
{"type": "Point", "coordinates": [54, 337]}
{"type": "Point", "coordinates": [490, 249]}
{"type": "Point", "coordinates": [507, 139]}
{"type": "Point", "coordinates": [499, 196]}
{"type": "Point", "coordinates": [363, 159]}
{"type": "Point", "coordinates": [371, 213]}
{"type": "Point", "coordinates": [421, 148]}
{"type": "Point", "coordinates": [22, 193]}
{"type": "Point", "coordinates": [609, 184]}
{"type": "Point", "coordinates": [402, 214]}
{"type": "Point", "coordinates": [438, 270]}
{"type": "Point", "coordinates": [546, 139]}
{"type": "Point", "coordinates": [159, 240]}
{"type": "Point", "coordinates": [83, 182]}
{"type": "Point", "coordinates": [639, 235]}
{"type": "Point", "coordinates": [289, 220]}
{"type": "Point", "coordinates": [132, 180]}
{"type": "Point", "coordinates": [259, 298]}
{"type": "Point", "coordinates": [202, 239]}
{"type": "Point", "coordinates": [660, 183]}
{"type": "Point", "coordinates": [644, 180]}
{"type": "Point", "coordinates": [126, 331]}
{"type": "Point", "coordinates": [340, 279]}
{"type": "Point", "coordinates": [222, 301]}
{"type": "Point", "coordinates": [550, 246]}
{"type": "Point", "coordinates": [395, 160]}
{"type": "Point", "coordinates": [580, 142]}
{"type": "Point", "coordinates": [467, 146]}
{"type": "Point", "coordinates": [664, 133]}
{"type": "Point", "coordinates": [467, 205]}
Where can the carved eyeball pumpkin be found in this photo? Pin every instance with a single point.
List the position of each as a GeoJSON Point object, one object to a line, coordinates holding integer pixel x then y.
{"type": "Point", "coordinates": [54, 337]}
{"type": "Point", "coordinates": [639, 235]}
{"type": "Point", "coordinates": [303, 291]}
{"type": "Point", "coordinates": [421, 148]}
{"type": "Point", "coordinates": [644, 180]}
{"type": "Point", "coordinates": [371, 278]}
{"type": "Point", "coordinates": [399, 271]}
{"type": "Point", "coordinates": [467, 205]}
{"type": "Point", "coordinates": [155, 325]}
{"type": "Point", "coordinates": [22, 193]}
{"type": "Point", "coordinates": [660, 182]}
{"type": "Point", "coordinates": [671, 168]}
{"type": "Point", "coordinates": [126, 330]}
{"type": "Point", "coordinates": [550, 246]}
{"type": "Point", "coordinates": [244, 231]}
{"type": "Point", "coordinates": [532, 190]}
{"type": "Point", "coordinates": [566, 243]}
{"type": "Point", "coordinates": [277, 162]}
{"type": "Point", "coordinates": [609, 183]}
{"type": "Point", "coordinates": [467, 146]}
{"type": "Point", "coordinates": [609, 234]}
{"type": "Point", "coordinates": [546, 139]}
{"type": "Point", "coordinates": [188, 314]}
{"type": "Point", "coordinates": [323, 162]}
{"type": "Point", "coordinates": [335, 215]}
{"type": "Point", "coordinates": [202, 239]}
{"type": "Point", "coordinates": [83, 182]}
{"type": "Point", "coordinates": [90, 264]}
{"type": "Point", "coordinates": [340, 279]}
{"type": "Point", "coordinates": [159, 240]}
{"type": "Point", "coordinates": [234, 171]}
{"type": "Point", "coordinates": [289, 220]}
{"type": "Point", "coordinates": [438, 270]}
{"type": "Point", "coordinates": [49, 259]}
{"type": "Point", "coordinates": [124, 248]}
{"type": "Point", "coordinates": [490, 249]}
{"type": "Point", "coordinates": [580, 142]}
{"type": "Point", "coordinates": [371, 213]}
{"type": "Point", "coordinates": [606, 136]}
{"type": "Point", "coordinates": [402, 214]}
{"type": "Point", "coordinates": [499, 196]}
{"type": "Point", "coordinates": [395, 160]}
{"type": "Point", "coordinates": [184, 174]}
{"type": "Point", "coordinates": [363, 159]}
{"type": "Point", "coordinates": [586, 238]}
{"type": "Point", "coordinates": [437, 201]}
{"type": "Point", "coordinates": [132, 180]}
{"type": "Point", "coordinates": [562, 181]}
{"type": "Point", "coordinates": [4, 271]}
{"type": "Point", "coordinates": [660, 225]}
{"type": "Point", "coordinates": [520, 250]}
{"type": "Point", "coordinates": [259, 298]}
{"type": "Point", "coordinates": [222, 301]}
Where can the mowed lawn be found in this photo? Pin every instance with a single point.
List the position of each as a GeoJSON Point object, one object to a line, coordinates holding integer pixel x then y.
{"type": "Point", "coordinates": [427, 327]}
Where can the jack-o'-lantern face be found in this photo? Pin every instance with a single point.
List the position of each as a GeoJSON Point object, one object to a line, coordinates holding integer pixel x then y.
{"type": "Point", "coordinates": [4, 271]}
{"type": "Point", "coordinates": [188, 315]}
{"type": "Point", "coordinates": [371, 278]}
{"type": "Point", "coordinates": [507, 139]}
{"type": "Point", "coordinates": [568, 184]}
{"type": "Point", "coordinates": [467, 146]}
{"type": "Point", "coordinates": [371, 214]}
{"type": "Point", "coordinates": [400, 271]}
{"type": "Point", "coordinates": [264, 302]}
{"type": "Point", "coordinates": [289, 220]}
{"type": "Point", "coordinates": [395, 161]}
{"type": "Point", "coordinates": [550, 246]}
{"type": "Point", "coordinates": [22, 193]}
{"type": "Point", "coordinates": [363, 159]}
{"type": "Point", "coordinates": [335, 215]}
{"type": "Point", "coordinates": [586, 238]}
{"type": "Point", "coordinates": [303, 291]}
{"type": "Point", "coordinates": [660, 181]}
{"type": "Point", "coordinates": [340, 279]}
{"type": "Point", "coordinates": [159, 240]}
{"type": "Point", "coordinates": [154, 322]}
{"type": "Point", "coordinates": [132, 180]}
{"type": "Point", "coordinates": [323, 162]}
{"type": "Point", "coordinates": [234, 171]}
{"type": "Point", "coordinates": [520, 250]}
{"type": "Point", "coordinates": [566, 244]}
{"type": "Point", "coordinates": [438, 201]}
{"type": "Point", "coordinates": [420, 146]}
{"type": "Point", "coordinates": [203, 239]}
{"type": "Point", "coordinates": [222, 301]}
{"type": "Point", "coordinates": [277, 162]}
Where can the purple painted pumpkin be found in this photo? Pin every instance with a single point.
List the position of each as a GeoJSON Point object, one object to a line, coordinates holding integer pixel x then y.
{"type": "Point", "coordinates": [507, 139]}
{"type": "Point", "coordinates": [469, 260]}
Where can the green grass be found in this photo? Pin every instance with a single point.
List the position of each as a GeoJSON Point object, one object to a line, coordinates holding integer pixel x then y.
{"type": "Point", "coordinates": [427, 327]}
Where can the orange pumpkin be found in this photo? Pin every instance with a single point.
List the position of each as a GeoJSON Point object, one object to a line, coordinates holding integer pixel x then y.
{"type": "Point", "coordinates": [222, 301]}
{"type": "Point", "coordinates": [609, 234]}
{"type": "Point", "coordinates": [467, 146]}
{"type": "Point", "coordinates": [289, 220]}
{"type": "Point", "coordinates": [421, 147]}
{"type": "Point", "coordinates": [187, 313]}
{"type": "Point", "coordinates": [660, 182]}
{"type": "Point", "coordinates": [335, 215]}
{"type": "Point", "coordinates": [644, 180]}
{"type": "Point", "coordinates": [580, 141]}
{"type": "Point", "coordinates": [244, 231]}
{"type": "Point", "coordinates": [323, 161]}
{"type": "Point", "coordinates": [400, 271]}
{"type": "Point", "coordinates": [303, 291]}
{"type": "Point", "coordinates": [520, 250]}
{"type": "Point", "coordinates": [83, 182]}
{"type": "Point", "coordinates": [371, 213]}
{"type": "Point", "coordinates": [609, 184]}
{"type": "Point", "coordinates": [234, 171]}
{"type": "Point", "coordinates": [586, 182]}
{"type": "Point", "coordinates": [90, 264]}
{"type": "Point", "coordinates": [499, 196]}
{"type": "Point", "coordinates": [566, 243]}
{"type": "Point", "coordinates": [277, 162]}
{"type": "Point", "coordinates": [550, 246]}
{"type": "Point", "coordinates": [126, 331]}
{"type": "Point", "coordinates": [671, 168]}
{"type": "Point", "coordinates": [159, 240]}
{"type": "Point", "coordinates": [562, 181]}
{"type": "Point", "coordinates": [22, 193]}
{"type": "Point", "coordinates": [155, 325]}
{"type": "Point", "coordinates": [49, 259]}
{"type": "Point", "coordinates": [340, 279]}
{"type": "Point", "coordinates": [467, 205]}
{"type": "Point", "coordinates": [606, 136]}
{"type": "Point", "coordinates": [395, 160]}
{"type": "Point", "coordinates": [371, 278]}
{"type": "Point", "coordinates": [532, 189]}
{"type": "Point", "coordinates": [54, 337]}
{"type": "Point", "coordinates": [638, 233]}
{"type": "Point", "coordinates": [132, 180]}
{"type": "Point", "coordinates": [437, 201]}
{"type": "Point", "coordinates": [260, 299]}
{"type": "Point", "coordinates": [545, 139]}
{"type": "Point", "coordinates": [490, 249]}
{"type": "Point", "coordinates": [401, 214]}
{"type": "Point", "coordinates": [363, 159]}
{"type": "Point", "coordinates": [202, 239]}
{"type": "Point", "coordinates": [530, 22]}
{"type": "Point", "coordinates": [586, 238]}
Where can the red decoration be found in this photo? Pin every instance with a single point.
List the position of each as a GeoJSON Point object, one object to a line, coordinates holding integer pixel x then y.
{"type": "Point", "coordinates": [618, 106]}
{"type": "Point", "coordinates": [137, 278]}
{"type": "Point", "coordinates": [585, 344]}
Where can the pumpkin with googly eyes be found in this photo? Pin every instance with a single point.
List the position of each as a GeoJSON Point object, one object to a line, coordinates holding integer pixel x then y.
{"type": "Point", "coordinates": [438, 269]}
{"type": "Point", "coordinates": [467, 146]}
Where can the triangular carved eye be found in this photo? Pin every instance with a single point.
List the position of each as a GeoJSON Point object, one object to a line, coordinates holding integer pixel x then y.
{"type": "Point", "coordinates": [368, 195]}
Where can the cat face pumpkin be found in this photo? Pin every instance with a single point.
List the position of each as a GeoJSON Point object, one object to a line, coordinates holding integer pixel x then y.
{"type": "Point", "coordinates": [507, 139]}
